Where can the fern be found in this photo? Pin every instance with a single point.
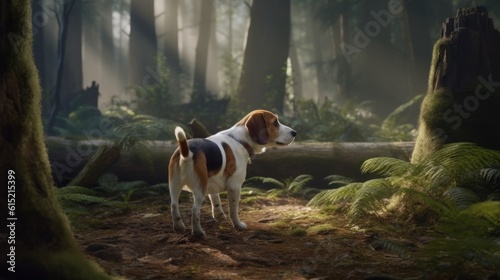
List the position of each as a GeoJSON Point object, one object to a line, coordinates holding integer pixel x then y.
{"type": "Point", "coordinates": [371, 197]}
{"type": "Point", "coordinates": [341, 195]}
{"type": "Point", "coordinates": [298, 183]}
{"type": "Point", "coordinates": [471, 239]}
{"type": "Point", "coordinates": [338, 180]}
{"type": "Point", "coordinates": [386, 166]}
{"type": "Point", "coordinates": [289, 187]}
{"type": "Point", "coordinates": [70, 195]}
{"type": "Point", "coordinates": [400, 114]}
{"type": "Point", "coordinates": [462, 197]}
{"type": "Point", "coordinates": [108, 185]}
{"type": "Point", "coordinates": [457, 176]}
{"type": "Point", "coordinates": [264, 180]}
{"type": "Point", "coordinates": [491, 175]}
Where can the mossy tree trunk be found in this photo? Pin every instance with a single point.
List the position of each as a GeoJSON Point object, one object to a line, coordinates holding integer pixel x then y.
{"type": "Point", "coordinates": [463, 98]}
{"type": "Point", "coordinates": [44, 247]}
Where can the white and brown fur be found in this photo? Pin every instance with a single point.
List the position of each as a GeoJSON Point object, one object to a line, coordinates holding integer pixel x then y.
{"type": "Point", "coordinates": [218, 163]}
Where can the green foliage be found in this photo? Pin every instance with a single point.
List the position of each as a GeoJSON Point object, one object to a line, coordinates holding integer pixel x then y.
{"type": "Point", "coordinates": [398, 125]}
{"type": "Point", "coordinates": [295, 187]}
{"type": "Point", "coordinates": [328, 122]}
{"type": "Point", "coordinates": [358, 198]}
{"type": "Point", "coordinates": [83, 118]}
{"type": "Point", "coordinates": [353, 121]}
{"type": "Point", "coordinates": [457, 176]}
{"type": "Point", "coordinates": [148, 127]}
{"type": "Point", "coordinates": [471, 239]}
{"type": "Point", "coordinates": [72, 198]}
{"type": "Point", "coordinates": [109, 186]}
{"type": "Point", "coordinates": [155, 98]}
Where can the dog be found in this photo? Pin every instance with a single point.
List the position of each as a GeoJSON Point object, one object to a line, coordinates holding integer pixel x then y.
{"type": "Point", "coordinates": [218, 163]}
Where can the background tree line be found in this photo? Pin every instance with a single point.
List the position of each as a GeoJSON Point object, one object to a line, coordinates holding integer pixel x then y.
{"type": "Point", "coordinates": [272, 54]}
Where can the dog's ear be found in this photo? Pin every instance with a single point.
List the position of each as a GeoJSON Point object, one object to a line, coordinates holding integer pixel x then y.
{"type": "Point", "coordinates": [257, 128]}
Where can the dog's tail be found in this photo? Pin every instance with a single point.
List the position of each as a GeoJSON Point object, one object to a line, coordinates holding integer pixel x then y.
{"type": "Point", "coordinates": [182, 141]}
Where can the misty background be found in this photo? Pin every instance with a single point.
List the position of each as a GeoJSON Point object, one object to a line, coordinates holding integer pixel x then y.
{"type": "Point", "coordinates": [357, 59]}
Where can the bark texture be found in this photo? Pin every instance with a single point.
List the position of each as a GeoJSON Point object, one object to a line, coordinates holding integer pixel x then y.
{"type": "Point", "coordinates": [318, 159]}
{"type": "Point", "coordinates": [44, 247]}
{"type": "Point", "coordinates": [463, 96]}
{"type": "Point", "coordinates": [262, 81]}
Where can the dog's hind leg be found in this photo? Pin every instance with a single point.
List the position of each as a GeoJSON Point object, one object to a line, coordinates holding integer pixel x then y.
{"type": "Point", "coordinates": [196, 229]}
{"type": "Point", "coordinates": [217, 211]}
{"type": "Point", "coordinates": [175, 188]}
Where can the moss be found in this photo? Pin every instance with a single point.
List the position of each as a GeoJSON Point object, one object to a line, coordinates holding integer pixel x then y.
{"type": "Point", "coordinates": [297, 231]}
{"type": "Point", "coordinates": [465, 115]}
{"type": "Point", "coordinates": [321, 229]}
{"type": "Point", "coordinates": [44, 242]}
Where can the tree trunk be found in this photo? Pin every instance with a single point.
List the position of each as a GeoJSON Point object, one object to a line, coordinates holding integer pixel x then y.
{"type": "Point", "coordinates": [72, 75]}
{"type": "Point", "coordinates": [39, 20]}
{"type": "Point", "coordinates": [315, 35]}
{"type": "Point", "coordinates": [317, 159]}
{"type": "Point", "coordinates": [44, 247]}
{"type": "Point", "coordinates": [57, 106]}
{"type": "Point", "coordinates": [263, 76]}
{"type": "Point", "coordinates": [107, 61]}
{"type": "Point", "coordinates": [171, 46]}
{"type": "Point", "coordinates": [91, 49]}
{"type": "Point", "coordinates": [298, 93]}
{"type": "Point", "coordinates": [201, 60]}
{"type": "Point", "coordinates": [143, 43]}
{"type": "Point", "coordinates": [462, 101]}
{"type": "Point", "coordinates": [105, 156]}
{"type": "Point", "coordinates": [213, 88]}
{"type": "Point", "coordinates": [419, 44]}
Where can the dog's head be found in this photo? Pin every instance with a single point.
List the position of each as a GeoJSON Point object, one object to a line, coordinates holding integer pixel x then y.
{"type": "Point", "coordinates": [265, 129]}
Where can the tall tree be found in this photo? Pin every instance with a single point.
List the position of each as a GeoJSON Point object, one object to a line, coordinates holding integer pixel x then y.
{"type": "Point", "coordinates": [62, 89]}
{"type": "Point", "coordinates": [107, 53]}
{"type": "Point", "coordinates": [44, 246]}
{"type": "Point", "coordinates": [263, 77]}
{"type": "Point", "coordinates": [201, 58]}
{"type": "Point", "coordinates": [171, 44]}
{"type": "Point", "coordinates": [419, 44]}
{"type": "Point", "coordinates": [213, 58]}
{"type": "Point", "coordinates": [143, 42]}
{"type": "Point", "coordinates": [39, 19]}
{"type": "Point", "coordinates": [463, 97]}
{"type": "Point", "coordinates": [72, 76]}
{"type": "Point", "coordinates": [315, 35]}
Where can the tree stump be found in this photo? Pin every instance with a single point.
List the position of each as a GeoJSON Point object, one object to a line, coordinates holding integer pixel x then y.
{"type": "Point", "coordinates": [463, 97]}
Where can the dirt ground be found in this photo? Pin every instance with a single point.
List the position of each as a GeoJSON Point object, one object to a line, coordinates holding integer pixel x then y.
{"type": "Point", "coordinates": [285, 239]}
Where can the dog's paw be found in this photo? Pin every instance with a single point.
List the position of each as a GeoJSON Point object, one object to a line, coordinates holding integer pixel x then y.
{"type": "Point", "coordinates": [219, 216]}
{"type": "Point", "coordinates": [199, 234]}
{"type": "Point", "coordinates": [179, 227]}
{"type": "Point", "coordinates": [240, 225]}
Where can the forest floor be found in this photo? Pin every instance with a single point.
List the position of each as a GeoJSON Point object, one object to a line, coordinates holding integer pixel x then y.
{"type": "Point", "coordinates": [285, 239]}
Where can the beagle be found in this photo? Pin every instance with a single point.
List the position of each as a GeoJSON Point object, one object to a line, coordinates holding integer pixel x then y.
{"type": "Point", "coordinates": [218, 163]}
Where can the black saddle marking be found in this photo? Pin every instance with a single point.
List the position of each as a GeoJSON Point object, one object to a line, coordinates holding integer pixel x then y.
{"type": "Point", "coordinates": [210, 149]}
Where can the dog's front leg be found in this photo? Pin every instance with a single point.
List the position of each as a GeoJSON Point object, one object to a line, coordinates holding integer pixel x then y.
{"type": "Point", "coordinates": [217, 211]}
{"type": "Point", "coordinates": [233, 195]}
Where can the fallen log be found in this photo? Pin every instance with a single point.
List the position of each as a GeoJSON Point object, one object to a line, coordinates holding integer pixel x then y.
{"type": "Point", "coordinates": [318, 159]}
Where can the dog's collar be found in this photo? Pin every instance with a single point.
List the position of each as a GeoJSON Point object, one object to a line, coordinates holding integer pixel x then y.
{"type": "Point", "coordinates": [251, 153]}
